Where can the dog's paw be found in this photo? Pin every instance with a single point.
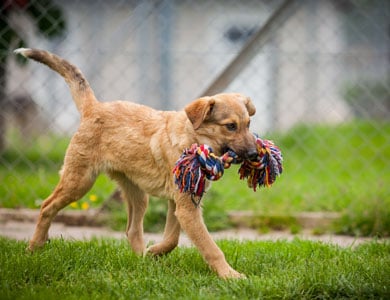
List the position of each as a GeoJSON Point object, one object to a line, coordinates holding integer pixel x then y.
{"type": "Point", "coordinates": [231, 274]}
{"type": "Point", "coordinates": [33, 246]}
{"type": "Point", "coordinates": [29, 250]}
{"type": "Point", "coordinates": [160, 249]}
{"type": "Point", "coordinates": [146, 252]}
{"type": "Point", "coordinates": [152, 251]}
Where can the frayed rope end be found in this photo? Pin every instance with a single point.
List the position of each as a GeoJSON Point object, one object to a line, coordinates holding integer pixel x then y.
{"type": "Point", "coordinates": [264, 170]}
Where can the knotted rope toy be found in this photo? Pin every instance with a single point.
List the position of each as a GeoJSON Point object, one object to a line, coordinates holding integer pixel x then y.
{"type": "Point", "coordinates": [199, 163]}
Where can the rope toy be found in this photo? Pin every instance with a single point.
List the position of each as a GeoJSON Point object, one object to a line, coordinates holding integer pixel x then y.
{"type": "Point", "coordinates": [199, 163]}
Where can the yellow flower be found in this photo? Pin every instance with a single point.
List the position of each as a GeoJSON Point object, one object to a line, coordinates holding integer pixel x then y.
{"type": "Point", "coordinates": [84, 205]}
{"type": "Point", "coordinates": [74, 205]}
{"type": "Point", "coordinates": [93, 197]}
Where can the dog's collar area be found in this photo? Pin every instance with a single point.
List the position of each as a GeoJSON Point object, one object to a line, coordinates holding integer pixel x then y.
{"type": "Point", "coordinates": [196, 200]}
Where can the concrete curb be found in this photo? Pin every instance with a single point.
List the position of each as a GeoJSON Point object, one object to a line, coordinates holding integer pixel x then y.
{"type": "Point", "coordinates": [89, 217]}
{"type": "Point", "coordinates": [304, 220]}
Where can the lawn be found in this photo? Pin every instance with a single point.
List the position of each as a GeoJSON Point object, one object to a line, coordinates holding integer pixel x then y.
{"type": "Point", "coordinates": [107, 269]}
{"type": "Point", "coordinates": [340, 168]}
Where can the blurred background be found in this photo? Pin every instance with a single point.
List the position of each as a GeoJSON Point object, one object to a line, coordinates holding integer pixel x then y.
{"type": "Point", "coordinates": [317, 71]}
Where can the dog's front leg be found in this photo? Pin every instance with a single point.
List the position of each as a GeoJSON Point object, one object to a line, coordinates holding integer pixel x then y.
{"type": "Point", "coordinates": [191, 220]}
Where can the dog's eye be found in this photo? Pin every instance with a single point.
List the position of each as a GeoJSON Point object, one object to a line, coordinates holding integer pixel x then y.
{"type": "Point", "coordinates": [231, 126]}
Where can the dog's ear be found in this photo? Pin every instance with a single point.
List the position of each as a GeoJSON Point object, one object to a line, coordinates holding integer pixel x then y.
{"type": "Point", "coordinates": [249, 106]}
{"type": "Point", "coordinates": [199, 110]}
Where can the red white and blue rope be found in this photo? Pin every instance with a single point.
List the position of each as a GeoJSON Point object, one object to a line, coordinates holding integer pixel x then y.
{"type": "Point", "coordinates": [199, 163]}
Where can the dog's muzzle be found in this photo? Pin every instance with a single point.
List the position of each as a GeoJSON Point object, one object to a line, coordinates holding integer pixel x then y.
{"type": "Point", "coordinates": [251, 154]}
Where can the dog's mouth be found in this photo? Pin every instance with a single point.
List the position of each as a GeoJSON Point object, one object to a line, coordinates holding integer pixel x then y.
{"type": "Point", "coordinates": [237, 159]}
{"type": "Point", "coordinates": [240, 156]}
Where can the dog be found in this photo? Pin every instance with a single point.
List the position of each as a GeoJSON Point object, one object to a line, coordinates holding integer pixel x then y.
{"type": "Point", "coordinates": [137, 146]}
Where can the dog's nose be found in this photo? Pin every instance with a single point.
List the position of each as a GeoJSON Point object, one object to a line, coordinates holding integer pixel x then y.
{"type": "Point", "coordinates": [252, 154]}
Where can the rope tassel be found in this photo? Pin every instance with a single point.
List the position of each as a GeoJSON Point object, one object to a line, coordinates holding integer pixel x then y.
{"type": "Point", "coordinates": [264, 170]}
{"type": "Point", "coordinates": [199, 163]}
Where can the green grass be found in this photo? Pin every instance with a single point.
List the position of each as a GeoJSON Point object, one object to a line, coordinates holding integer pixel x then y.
{"type": "Point", "coordinates": [341, 168]}
{"type": "Point", "coordinates": [107, 269]}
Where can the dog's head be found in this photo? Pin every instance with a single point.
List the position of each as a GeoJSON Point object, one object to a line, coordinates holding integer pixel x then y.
{"type": "Point", "coordinates": [222, 121]}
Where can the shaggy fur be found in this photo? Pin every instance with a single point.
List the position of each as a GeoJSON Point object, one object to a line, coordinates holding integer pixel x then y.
{"type": "Point", "coordinates": [138, 146]}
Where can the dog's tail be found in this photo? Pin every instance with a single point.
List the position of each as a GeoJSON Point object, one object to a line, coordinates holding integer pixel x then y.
{"type": "Point", "coordinates": [80, 89]}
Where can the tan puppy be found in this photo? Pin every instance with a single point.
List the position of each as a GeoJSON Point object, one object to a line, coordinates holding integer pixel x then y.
{"type": "Point", "coordinates": [138, 146]}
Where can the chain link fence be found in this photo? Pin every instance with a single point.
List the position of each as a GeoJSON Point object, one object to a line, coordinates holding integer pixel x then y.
{"type": "Point", "coordinates": [318, 72]}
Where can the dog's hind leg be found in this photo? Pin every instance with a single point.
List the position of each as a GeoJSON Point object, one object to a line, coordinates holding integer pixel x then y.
{"type": "Point", "coordinates": [75, 182]}
{"type": "Point", "coordinates": [136, 203]}
{"type": "Point", "coordinates": [171, 233]}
